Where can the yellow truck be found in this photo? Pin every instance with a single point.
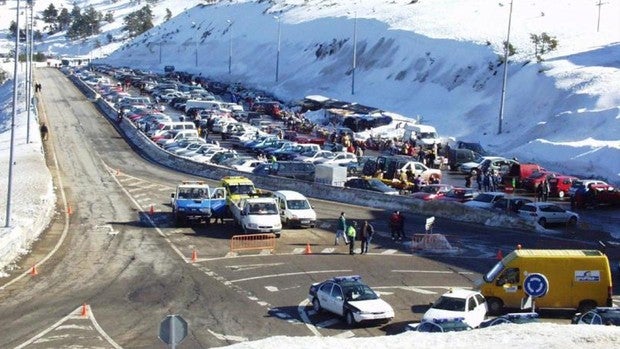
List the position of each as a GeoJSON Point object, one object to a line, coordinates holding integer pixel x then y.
{"type": "Point", "coordinates": [237, 188]}
{"type": "Point", "coordinates": [577, 279]}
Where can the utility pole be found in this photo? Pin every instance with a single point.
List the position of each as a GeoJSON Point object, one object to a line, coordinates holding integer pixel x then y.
{"type": "Point", "coordinates": [229, 46]}
{"type": "Point", "coordinates": [505, 77]}
{"type": "Point", "coordinates": [354, 54]}
{"type": "Point", "coordinates": [7, 223]}
{"type": "Point", "coordinates": [278, 52]}
{"type": "Point", "coordinates": [30, 65]}
{"type": "Point", "coordinates": [598, 22]}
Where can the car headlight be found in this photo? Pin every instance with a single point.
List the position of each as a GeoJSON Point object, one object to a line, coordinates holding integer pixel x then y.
{"type": "Point", "coordinates": [182, 209]}
{"type": "Point", "coordinates": [252, 225]}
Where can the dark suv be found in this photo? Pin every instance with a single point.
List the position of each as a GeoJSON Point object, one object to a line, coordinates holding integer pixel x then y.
{"type": "Point", "coordinates": [289, 169]}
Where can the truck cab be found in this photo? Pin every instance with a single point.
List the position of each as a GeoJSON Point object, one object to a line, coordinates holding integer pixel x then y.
{"type": "Point", "coordinates": [196, 201]}
{"type": "Point", "coordinates": [237, 188]}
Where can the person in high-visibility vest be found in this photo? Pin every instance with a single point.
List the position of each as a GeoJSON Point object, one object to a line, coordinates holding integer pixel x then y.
{"type": "Point", "coordinates": [351, 232]}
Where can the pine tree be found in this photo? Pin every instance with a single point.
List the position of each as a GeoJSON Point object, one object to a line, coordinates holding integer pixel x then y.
{"type": "Point", "coordinates": [168, 15]}
{"type": "Point", "coordinates": [139, 21]}
{"type": "Point", "coordinates": [50, 16]}
{"type": "Point", "coordinates": [64, 19]}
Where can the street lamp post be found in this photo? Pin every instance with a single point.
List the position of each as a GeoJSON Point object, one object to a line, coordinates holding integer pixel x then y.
{"type": "Point", "coordinates": [278, 51]}
{"type": "Point", "coordinates": [354, 54]}
{"type": "Point", "coordinates": [29, 70]}
{"type": "Point", "coordinates": [7, 223]}
{"type": "Point", "coordinates": [505, 77]}
{"type": "Point", "coordinates": [195, 47]}
{"type": "Point", "coordinates": [230, 23]}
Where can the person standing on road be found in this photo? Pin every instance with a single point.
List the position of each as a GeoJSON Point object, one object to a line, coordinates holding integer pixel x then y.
{"type": "Point", "coordinates": [545, 190]}
{"type": "Point", "coordinates": [351, 234]}
{"type": "Point", "coordinates": [44, 131]}
{"type": "Point", "coordinates": [394, 225]}
{"type": "Point", "coordinates": [366, 236]}
{"type": "Point", "coordinates": [401, 226]}
{"type": "Point", "coordinates": [341, 229]}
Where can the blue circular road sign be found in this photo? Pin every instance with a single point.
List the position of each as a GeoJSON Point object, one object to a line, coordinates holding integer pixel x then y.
{"type": "Point", "coordinates": [536, 285]}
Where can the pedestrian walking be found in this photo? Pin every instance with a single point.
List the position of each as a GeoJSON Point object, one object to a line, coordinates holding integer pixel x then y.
{"type": "Point", "coordinates": [366, 236]}
{"type": "Point", "coordinates": [478, 175]}
{"type": "Point", "coordinates": [544, 187]}
{"type": "Point", "coordinates": [351, 234]}
{"type": "Point", "coordinates": [394, 224]}
{"type": "Point", "coordinates": [341, 229]}
{"type": "Point", "coordinates": [44, 131]}
{"type": "Point", "coordinates": [401, 226]}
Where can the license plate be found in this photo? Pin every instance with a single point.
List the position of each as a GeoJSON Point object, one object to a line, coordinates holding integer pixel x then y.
{"type": "Point", "coordinates": [305, 222]}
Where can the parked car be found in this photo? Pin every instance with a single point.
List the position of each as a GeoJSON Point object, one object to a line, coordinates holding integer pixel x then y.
{"type": "Point", "coordinates": [510, 204]}
{"type": "Point", "coordinates": [440, 325]}
{"type": "Point", "coordinates": [532, 182]}
{"type": "Point", "coordinates": [289, 169]}
{"type": "Point", "coordinates": [432, 191]}
{"type": "Point", "coordinates": [245, 164]}
{"type": "Point", "coordinates": [560, 185]}
{"type": "Point", "coordinates": [598, 316]}
{"type": "Point", "coordinates": [295, 209]}
{"type": "Point", "coordinates": [459, 195]}
{"type": "Point", "coordinates": [372, 184]}
{"type": "Point", "coordinates": [314, 155]}
{"type": "Point", "coordinates": [597, 195]}
{"type": "Point", "coordinates": [469, 305]}
{"type": "Point", "coordinates": [544, 213]}
{"type": "Point", "coordinates": [511, 318]}
{"type": "Point", "coordinates": [349, 297]}
{"type": "Point", "coordinates": [583, 185]}
{"type": "Point", "coordinates": [339, 158]}
{"type": "Point", "coordinates": [485, 200]}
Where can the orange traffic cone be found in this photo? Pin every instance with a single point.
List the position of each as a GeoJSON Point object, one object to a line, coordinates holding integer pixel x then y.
{"type": "Point", "coordinates": [499, 255]}
{"type": "Point", "coordinates": [69, 210]}
{"type": "Point", "coordinates": [34, 271]}
{"type": "Point", "coordinates": [151, 210]}
{"type": "Point", "coordinates": [84, 310]}
{"type": "Point", "coordinates": [194, 256]}
{"type": "Point", "coordinates": [308, 249]}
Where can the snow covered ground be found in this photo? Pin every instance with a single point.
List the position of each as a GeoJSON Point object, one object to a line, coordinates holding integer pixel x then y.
{"type": "Point", "coordinates": [437, 60]}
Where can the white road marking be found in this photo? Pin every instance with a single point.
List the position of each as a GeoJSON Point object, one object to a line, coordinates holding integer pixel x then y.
{"type": "Point", "coordinates": [251, 266]}
{"type": "Point", "coordinates": [389, 251]}
{"type": "Point", "coordinates": [139, 195]}
{"type": "Point", "coordinates": [298, 250]}
{"type": "Point", "coordinates": [328, 250]}
{"type": "Point", "coordinates": [324, 225]}
{"type": "Point", "coordinates": [381, 293]}
{"type": "Point", "coordinates": [301, 309]}
{"type": "Point", "coordinates": [271, 288]}
{"type": "Point", "coordinates": [74, 315]}
{"type": "Point", "coordinates": [291, 274]}
{"type": "Point", "coordinates": [264, 252]}
{"type": "Point", "coordinates": [347, 334]}
{"type": "Point", "coordinates": [231, 254]}
{"type": "Point", "coordinates": [163, 189]}
{"type": "Point", "coordinates": [224, 337]}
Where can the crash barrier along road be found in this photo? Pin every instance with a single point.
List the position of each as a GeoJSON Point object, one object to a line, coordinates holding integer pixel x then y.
{"type": "Point", "coordinates": [147, 148]}
{"type": "Point", "coordinates": [253, 242]}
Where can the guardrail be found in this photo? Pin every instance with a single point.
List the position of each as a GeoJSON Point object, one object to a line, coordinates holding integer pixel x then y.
{"type": "Point", "coordinates": [252, 242]}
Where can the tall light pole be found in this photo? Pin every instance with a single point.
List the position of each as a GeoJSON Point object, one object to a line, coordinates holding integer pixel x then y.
{"type": "Point", "coordinates": [230, 23]}
{"type": "Point", "coordinates": [598, 22]}
{"type": "Point", "coordinates": [195, 47]}
{"type": "Point", "coordinates": [354, 54]}
{"type": "Point", "coordinates": [30, 3]}
{"type": "Point", "coordinates": [278, 52]}
{"type": "Point", "coordinates": [505, 77]}
{"type": "Point", "coordinates": [10, 179]}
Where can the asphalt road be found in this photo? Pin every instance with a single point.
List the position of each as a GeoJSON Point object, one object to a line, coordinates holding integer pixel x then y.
{"type": "Point", "coordinates": [131, 268]}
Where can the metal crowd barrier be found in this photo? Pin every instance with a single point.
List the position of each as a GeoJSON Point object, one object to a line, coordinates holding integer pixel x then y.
{"type": "Point", "coordinates": [251, 242]}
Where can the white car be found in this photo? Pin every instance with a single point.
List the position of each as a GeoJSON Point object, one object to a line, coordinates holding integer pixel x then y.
{"type": "Point", "coordinates": [544, 213]}
{"type": "Point", "coordinates": [467, 167]}
{"type": "Point", "coordinates": [246, 165]}
{"type": "Point", "coordinates": [314, 155]}
{"type": "Point", "coordinates": [459, 303]}
{"type": "Point", "coordinates": [348, 297]}
{"type": "Point", "coordinates": [206, 154]}
{"type": "Point", "coordinates": [485, 200]}
{"type": "Point", "coordinates": [295, 209]}
{"type": "Point", "coordinates": [340, 158]}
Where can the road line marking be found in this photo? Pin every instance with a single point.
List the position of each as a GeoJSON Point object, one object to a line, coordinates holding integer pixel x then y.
{"type": "Point", "coordinates": [163, 189]}
{"type": "Point", "coordinates": [224, 337]}
{"type": "Point", "coordinates": [291, 274]}
{"type": "Point", "coordinates": [347, 334]}
{"type": "Point", "coordinates": [328, 250]}
{"type": "Point", "coordinates": [298, 250]}
{"type": "Point", "coordinates": [139, 195]}
{"type": "Point", "coordinates": [149, 186]}
{"type": "Point", "coordinates": [244, 267]}
{"type": "Point", "coordinates": [301, 309]}
{"type": "Point", "coordinates": [389, 251]}
{"type": "Point", "coordinates": [272, 288]}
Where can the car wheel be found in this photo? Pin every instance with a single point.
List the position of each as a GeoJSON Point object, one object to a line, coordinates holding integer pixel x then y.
{"type": "Point", "coordinates": [543, 222]}
{"type": "Point", "coordinates": [561, 194]}
{"type": "Point", "coordinates": [348, 317]}
{"type": "Point", "coordinates": [495, 306]}
{"type": "Point", "coordinates": [572, 221]}
{"type": "Point", "coordinates": [316, 306]}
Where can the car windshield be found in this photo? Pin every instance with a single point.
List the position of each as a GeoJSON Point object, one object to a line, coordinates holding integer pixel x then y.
{"type": "Point", "coordinates": [298, 204]}
{"type": "Point", "coordinates": [358, 292]}
{"type": "Point", "coordinates": [264, 208]}
{"type": "Point", "coordinates": [484, 198]}
{"type": "Point", "coordinates": [449, 303]}
{"type": "Point", "coordinates": [241, 189]}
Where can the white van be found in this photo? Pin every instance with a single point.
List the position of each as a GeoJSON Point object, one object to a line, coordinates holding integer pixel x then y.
{"type": "Point", "coordinates": [295, 209]}
{"type": "Point", "coordinates": [182, 135]}
{"type": "Point", "coordinates": [169, 126]}
{"type": "Point", "coordinates": [425, 134]}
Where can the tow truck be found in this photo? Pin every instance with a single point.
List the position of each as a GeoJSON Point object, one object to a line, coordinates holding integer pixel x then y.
{"type": "Point", "coordinates": [195, 201]}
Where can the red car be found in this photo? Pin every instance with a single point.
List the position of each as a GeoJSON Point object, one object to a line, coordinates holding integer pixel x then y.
{"type": "Point", "coordinates": [532, 182]}
{"type": "Point", "coordinates": [604, 195]}
{"type": "Point", "coordinates": [559, 185]}
{"type": "Point", "coordinates": [432, 191]}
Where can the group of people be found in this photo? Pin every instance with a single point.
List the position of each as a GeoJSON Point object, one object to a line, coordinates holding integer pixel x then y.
{"type": "Point", "coordinates": [487, 181]}
{"type": "Point", "coordinates": [348, 233]}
